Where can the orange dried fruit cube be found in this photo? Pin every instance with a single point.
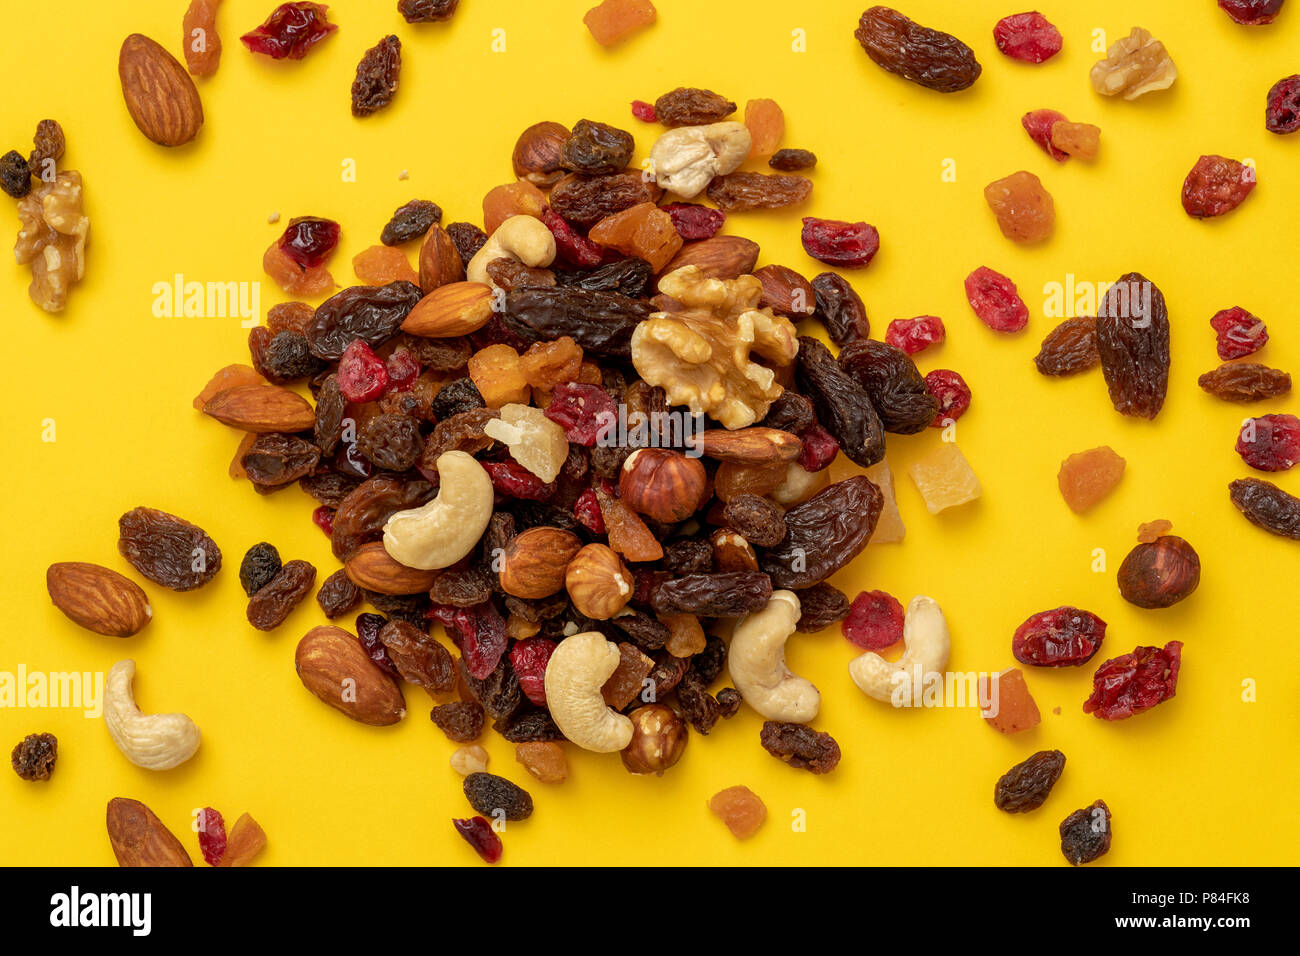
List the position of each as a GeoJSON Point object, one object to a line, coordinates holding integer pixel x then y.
{"type": "Point", "coordinates": [740, 809]}
{"type": "Point", "coordinates": [544, 759]}
{"type": "Point", "coordinates": [615, 20]}
{"type": "Point", "coordinates": [1011, 706]}
{"type": "Point", "coordinates": [228, 377]}
{"type": "Point", "coordinates": [497, 373]}
{"type": "Point", "coordinates": [945, 478]}
{"type": "Point", "coordinates": [513, 199]}
{"type": "Point", "coordinates": [547, 364]}
{"type": "Point", "coordinates": [1023, 207]}
{"type": "Point", "coordinates": [1080, 140]}
{"type": "Point", "coordinates": [765, 121]}
{"type": "Point", "coordinates": [1089, 476]}
{"type": "Point", "coordinates": [293, 278]}
{"type": "Point", "coordinates": [1151, 531]}
{"type": "Point", "coordinates": [380, 265]}
{"type": "Point", "coordinates": [644, 231]}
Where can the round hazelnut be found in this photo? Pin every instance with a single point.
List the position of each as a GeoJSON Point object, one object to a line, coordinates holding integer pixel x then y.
{"type": "Point", "coordinates": [537, 154]}
{"type": "Point", "coordinates": [598, 582]}
{"type": "Point", "coordinates": [1160, 573]}
{"type": "Point", "coordinates": [658, 739]}
{"type": "Point", "coordinates": [662, 484]}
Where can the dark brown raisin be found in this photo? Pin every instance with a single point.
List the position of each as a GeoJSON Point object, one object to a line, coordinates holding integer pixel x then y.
{"type": "Point", "coordinates": [1245, 382]}
{"type": "Point", "coordinates": [688, 556]}
{"type": "Point", "coordinates": [426, 11]}
{"type": "Point", "coordinates": [644, 630]}
{"type": "Point", "coordinates": [464, 588]}
{"type": "Point", "coordinates": [467, 238]}
{"type": "Point", "coordinates": [800, 746]}
{"type": "Point", "coordinates": [729, 594]}
{"type": "Point", "coordinates": [1267, 506]}
{"type": "Point", "coordinates": [1026, 785]}
{"type": "Point", "coordinates": [331, 407]}
{"type": "Point", "coordinates": [461, 720]}
{"type": "Point", "coordinates": [668, 673]}
{"type": "Point", "coordinates": [362, 514]}
{"type": "Point", "coordinates": [843, 406]}
{"type": "Point", "coordinates": [729, 701]}
{"type": "Point", "coordinates": [377, 76]}
{"type": "Point", "coordinates": [338, 595]}
{"type": "Point", "coordinates": [168, 550]}
{"type": "Point", "coordinates": [824, 533]}
{"type": "Point", "coordinates": [48, 144]}
{"type": "Point", "coordinates": [34, 756]}
{"type": "Point", "coordinates": [418, 657]}
{"type": "Point", "coordinates": [461, 432]}
{"type": "Point", "coordinates": [708, 663]}
{"type": "Point", "coordinates": [630, 277]}
{"type": "Point", "coordinates": [499, 692]}
{"type": "Point", "coordinates": [287, 358]}
{"type": "Point", "coordinates": [373, 314]}
{"type": "Point", "coordinates": [547, 314]}
{"type": "Point", "coordinates": [897, 390]}
{"type": "Point", "coordinates": [392, 442]}
{"type": "Point", "coordinates": [741, 192]}
{"type": "Point", "coordinates": [820, 606]}
{"type": "Point", "coordinates": [509, 273]}
{"type": "Point", "coordinates": [756, 519]}
{"type": "Point", "coordinates": [411, 221]}
{"type": "Point", "coordinates": [596, 149]}
{"type": "Point", "coordinates": [699, 708]}
{"type": "Point", "coordinates": [690, 106]}
{"type": "Point", "coordinates": [1133, 341]}
{"type": "Point", "coordinates": [276, 459]}
{"type": "Point", "coordinates": [496, 797]}
{"type": "Point", "coordinates": [261, 563]}
{"type": "Point", "coordinates": [1069, 348]}
{"type": "Point", "coordinates": [840, 309]}
{"type": "Point", "coordinates": [275, 601]}
{"type": "Point", "coordinates": [411, 608]}
{"type": "Point", "coordinates": [329, 487]}
{"type": "Point", "coordinates": [930, 58]}
{"type": "Point", "coordinates": [1085, 834]}
{"type": "Point", "coordinates": [791, 412]}
{"type": "Point", "coordinates": [792, 160]}
{"type": "Point", "coordinates": [15, 174]}
{"type": "Point", "coordinates": [585, 200]}
{"type": "Point", "coordinates": [528, 725]}
{"type": "Point", "coordinates": [440, 356]}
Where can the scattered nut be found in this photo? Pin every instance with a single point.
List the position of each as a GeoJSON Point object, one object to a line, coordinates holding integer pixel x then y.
{"type": "Point", "coordinates": [926, 643]}
{"type": "Point", "coordinates": [687, 158]}
{"type": "Point", "coordinates": [442, 532]}
{"type": "Point", "coordinates": [1160, 573]}
{"type": "Point", "coordinates": [575, 674]}
{"type": "Point", "coordinates": [662, 484]}
{"type": "Point", "coordinates": [470, 759]}
{"type": "Point", "coordinates": [152, 741]}
{"type": "Point", "coordinates": [756, 662]}
{"type": "Point", "coordinates": [333, 665]}
{"type": "Point", "coordinates": [598, 582]}
{"type": "Point", "coordinates": [659, 738]}
{"type": "Point", "coordinates": [450, 310]}
{"type": "Point", "coordinates": [99, 599]}
{"type": "Point", "coordinates": [139, 838]}
{"type": "Point", "coordinates": [537, 154]}
{"type": "Point", "coordinates": [519, 237]}
{"type": "Point", "coordinates": [371, 566]}
{"type": "Point", "coordinates": [1135, 64]}
{"type": "Point", "coordinates": [731, 552]}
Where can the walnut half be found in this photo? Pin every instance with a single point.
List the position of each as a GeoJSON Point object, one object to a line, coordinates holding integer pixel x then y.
{"type": "Point", "coordinates": [52, 239]}
{"type": "Point", "coordinates": [701, 355]}
{"type": "Point", "coordinates": [1137, 64]}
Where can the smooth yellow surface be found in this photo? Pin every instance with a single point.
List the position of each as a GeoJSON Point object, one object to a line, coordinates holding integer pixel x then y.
{"type": "Point", "coordinates": [1205, 778]}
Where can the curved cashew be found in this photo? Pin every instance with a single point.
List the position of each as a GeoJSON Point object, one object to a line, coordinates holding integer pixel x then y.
{"type": "Point", "coordinates": [756, 661]}
{"type": "Point", "coordinates": [577, 670]}
{"type": "Point", "coordinates": [152, 741]}
{"type": "Point", "coordinates": [442, 532]}
{"type": "Point", "coordinates": [687, 158]}
{"type": "Point", "coordinates": [925, 637]}
{"type": "Point", "coordinates": [525, 238]}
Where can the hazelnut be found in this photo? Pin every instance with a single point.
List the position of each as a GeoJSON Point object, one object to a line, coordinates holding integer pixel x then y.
{"type": "Point", "coordinates": [537, 154]}
{"type": "Point", "coordinates": [731, 552]}
{"type": "Point", "coordinates": [533, 563]}
{"type": "Point", "coordinates": [658, 739]}
{"type": "Point", "coordinates": [664, 485]}
{"type": "Point", "coordinates": [598, 582]}
{"type": "Point", "coordinates": [1160, 573]}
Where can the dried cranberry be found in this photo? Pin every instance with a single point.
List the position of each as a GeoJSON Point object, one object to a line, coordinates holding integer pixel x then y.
{"type": "Point", "coordinates": [1216, 186]}
{"type": "Point", "coordinates": [693, 221]}
{"type": "Point", "coordinates": [914, 335]}
{"type": "Point", "coordinates": [875, 621]}
{"type": "Point", "coordinates": [323, 518]}
{"type": "Point", "coordinates": [1252, 13]}
{"type": "Point", "coordinates": [363, 377]}
{"type": "Point", "coordinates": [841, 244]}
{"type": "Point", "coordinates": [290, 31]}
{"type": "Point", "coordinates": [368, 628]}
{"type": "Point", "coordinates": [309, 240]}
{"type": "Point", "coordinates": [953, 394]}
{"type": "Point", "coordinates": [1128, 685]}
{"type": "Point", "coordinates": [1027, 37]}
{"type": "Point", "coordinates": [819, 448]}
{"type": "Point", "coordinates": [1283, 113]}
{"type": "Point", "coordinates": [480, 633]}
{"type": "Point", "coordinates": [587, 512]}
{"type": "Point", "coordinates": [644, 111]}
{"type": "Point", "coordinates": [995, 300]}
{"type": "Point", "coordinates": [1270, 443]}
{"type": "Point", "coordinates": [212, 836]}
{"type": "Point", "coordinates": [583, 411]}
{"type": "Point", "coordinates": [479, 834]}
{"type": "Point", "coordinates": [403, 369]}
{"type": "Point", "coordinates": [528, 658]}
{"type": "Point", "coordinates": [1066, 636]}
{"type": "Point", "coordinates": [1038, 124]}
{"type": "Point", "coordinates": [1239, 333]}
{"type": "Point", "coordinates": [576, 249]}
{"type": "Point", "coordinates": [515, 481]}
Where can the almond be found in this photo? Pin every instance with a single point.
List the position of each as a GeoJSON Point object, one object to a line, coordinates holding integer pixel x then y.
{"type": "Point", "coordinates": [371, 566]}
{"type": "Point", "coordinates": [786, 292]}
{"type": "Point", "coordinates": [458, 308]}
{"type": "Point", "coordinates": [97, 598]}
{"type": "Point", "coordinates": [440, 263]}
{"type": "Point", "coordinates": [261, 409]}
{"type": "Point", "coordinates": [333, 665]}
{"type": "Point", "coordinates": [159, 94]}
{"type": "Point", "coordinates": [722, 257]}
{"type": "Point", "coordinates": [139, 838]}
{"type": "Point", "coordinates": [533, 563]}
{"type": "Point", "coordinates": [752, 446]}
{"type": "Point", "coordinates": [246, 840]}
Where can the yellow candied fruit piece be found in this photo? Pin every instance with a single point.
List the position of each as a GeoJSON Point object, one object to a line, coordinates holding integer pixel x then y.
{"type": "Point", "coordinates": [945, 478]}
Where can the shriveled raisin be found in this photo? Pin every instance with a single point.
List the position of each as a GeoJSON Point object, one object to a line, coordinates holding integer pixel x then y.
{"type": "Point", "coordinates": [47, 148]}
{"type": "Point", "coordinates": [377, 76]}
{"type": "Point", "coordinates": [261, 563]}
{"type": "Point", "coordinates": [825, 533]}
{"type": "Point", "coordinates": [792, 160]}
{"type": "Point", "coordinates": [756, 519]}
{"type": "Point", "coordinates": [15, 174]}
{"type": "Point", "coordinates": [34, 756]}
{"type": "Point", "coordinates": [411, 221]}
{"type": "Point", "coordinates": [1062, 637]}
{"type": "Point", "coordinates": [1216, 186]}
{"type": "Point", "coordinates": [688, 556]}
{"type": "Point", "coordinates": [742, 192]}
{"type": "Point", "coordinates": [1026, 786]}
{"type": "Point", "coordinates": [844, 408]}
{"type": "Point", "coordinates": [729, 701]}
{"type": "Point", "coordinates": [457, 396]}
{"type": "Point", "coordinates": [630, 277]}
{"type": "Point", "coordinates": [596, 149]}
{"type": "Point", "coordinates": [690, 106]}
{"type": "Point", "coordinates": [275, 601]}
{"type": "Point", "coordinates": [1267, 506]}
{"type": "Point", "coordinates": [1085, 834]}
{"type": "Point", "coordinates": [329, 487]}
{"type": "Point", "coordinates": [931, 58]}
{"type": "Point", "coordinates": [373, 314]}
{"type": "Point", "coordinates": [495, 796]}
{"type": "Point", "coordinates": [820, 606]}
{"type": "Point", "coordinates": [467, 238]}
{"type": "Point", "coordinates": [461, 720]}
{"type": "Point", "coordinates": [429, 11]}
{"type": "Point", "coordinates": [585, 200]}
{"type": "Point", "coordinates": [464, 588]}
{"type": "Point", "coordinates": [1069, 348]}
{"type": "Point", "coordinates": [1133, 342]}
{"type": "Point", "coordinates": [900, 395]}
{"type": "Point", "coordinates": [392, 441]}
{"type": "Point", "coordinates": [338, 595]}
{"type": "Point", "coordinates": [362, 514]}
{"type": "Point", "coordinates": [1245, 382]}
{"type": "Point", "coordinates": [699, 708]}
{"type": "Point", "coordinates": [419, 658]}
{"type": "Point", "coordinates": [728, 594]}
{"type": "Point", "coordinates": [168, 550]}
{"type": "Point", "coordinates": [800, 746]}
{"type": "Point", "coordinates": [287, 358]}
{"type": "Point", "coordinates": [543, 314]}
{"type": "Point", "coordinates": [791, 412]}
{"type": "Point", "coordinates": [277, 459]}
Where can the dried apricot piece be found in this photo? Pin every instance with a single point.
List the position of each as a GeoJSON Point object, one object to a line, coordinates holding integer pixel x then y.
{"type": "Point", "coordinates": [497, 372]}
{"type": "Point", "coordinates": [1080, 140]}
{"type": "Point", "coordinates": [740, 809]}
{"type": "Point", "coordinates": [765, 121]}
{"type": "Point", "coordinates": [613, 21]}
{"type": "Point", "coordinates": [1011, 706]}
{"type": "Point", "coordinates": [644, 231]}
{"type": "Point", "coordinates": [1087, 477]}
{"type": "Point", "coordinates": [1023, 207]}
{"type": "Point", "coordinates": [380, 265]}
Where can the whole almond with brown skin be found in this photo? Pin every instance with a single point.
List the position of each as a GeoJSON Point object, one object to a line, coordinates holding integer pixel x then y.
{"type": "Point", "coordinates": [140, 839]}
{"type": "Point", "coordinates": [440, 263]}
{"type": "Point", "coordinates": [97, 598]}
{"type": "Point", "coordinates": [721, 257]}
{"type": "Point", "coordinates": [159, 94]}
{"type": "Point", "coordinates": [333, 665]}
{"type": "Point", "coordinates": [246, 840]}
{"type": "Point", "coordinates": [754, 445]}
{"type": "Point", "coordinates": [261, 409]}
{"type": "Point", "coordinates": [533, 563]}
{"type": "Point", "coordinates": [786, 292]}
{"type": "Point", "coordinates": [457, 308]}
{"type": "Point", "coordinates": [371, 566]}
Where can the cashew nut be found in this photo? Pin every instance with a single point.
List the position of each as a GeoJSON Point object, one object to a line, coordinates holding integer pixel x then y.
{"type": "Point", "coordinates": [756, 661]}
{"type": "Point", "coordinates": [439, 534]}
{"type": "Point", "coordinates": [525, 238]}
{"type": "Point", "coordinates": [686, 158]}
{"type": "Point", "coordinates": [152, 741]}
{"type": "Point", "coordinates": [925, 637]}
{"type": "Point", "coordinates": [577, 670]}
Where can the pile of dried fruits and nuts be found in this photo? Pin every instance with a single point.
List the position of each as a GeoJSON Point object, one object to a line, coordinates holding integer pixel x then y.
{"type": "Point", "coordinates": [586, 440]}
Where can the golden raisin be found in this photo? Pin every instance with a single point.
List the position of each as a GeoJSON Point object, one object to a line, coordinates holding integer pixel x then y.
{"type": "Point", "coordinates": [765, 121]}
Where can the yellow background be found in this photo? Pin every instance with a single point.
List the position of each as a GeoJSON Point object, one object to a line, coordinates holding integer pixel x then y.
{"type": "Point", "coordinates": [1206, 778]}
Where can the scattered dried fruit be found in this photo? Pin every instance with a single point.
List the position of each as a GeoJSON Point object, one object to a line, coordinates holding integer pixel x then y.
{"type": "Point", "coordinates": [290, 31]}
{"type": "Point", "coordinates": [930, 58]}
{"type": "Point", "coordinates": [996, 301]}
{"type": "Point", "coordinates": [945, 478]}
{"type": "Point", "coordinates": [1267, 506]}
{"type": "Point", "coordinates": [1069, 348]}
{"type": "Point", "coordinates": [1216, 186]}
{"type": "Point", "coordinates": [1027, 785]}
{"type": "Point", "coordinates": [1133, 342]}
{"type": "Point", "coordinates": [34, 756]}
{"type": "Point", "coordinates": [1128, 685]}
{"type": "Point", "coordinates": [613, 21]}
{"type": "Point", "coordinates": [1282, 113]}
{"type": "Point", "coordinates": [800, 746]}
{"type": "Point", "coordinates": [168, 550]}
{"type": "Point", "coordinates": [479, 834]}
{"type": "Point", "coordinates": [1063, 637]}
{"type": "Point", "coordinates": [1086, 478]}
{"type": "Point", "coordinates": [1023, 207]}
{"type": "Point", "coordinates": [874, 621]}
{"type": "Point", "coordinates": [915, 335]}
{"type": "Point", "coordinates": [740, 809]}
{"type": "Point", "coordinates": [840, 244]}
{"type": "Point", "coordinates": [1270, 443]}
{"type": "Point", "coordinates": [1239, 333]}
{"type": "Point", "coordinates": [1252, 12]}
{"type": "Point", "coordinates": [1013, 709]}
{"type": "Point", "coordinates": [1028, 37]}
{"type": "Point", "coordinates": [1085, 834]}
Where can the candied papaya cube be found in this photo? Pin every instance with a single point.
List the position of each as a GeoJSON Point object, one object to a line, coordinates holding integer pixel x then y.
{"type": "Point", "coordinates": [1011, 707]}
{"type": "Point", "coordinates": [889, 526]}
{"type": "Point", "coordinates": [1023, 207]}
{"type": "Point", "coordinates": [644, 231]}
{"type": "Point", "coordinates": [765, 121]}
{"type": "Point", "coordinates": [380, 265]}
{"type": "Point", "coordinates": [498, 374]}
{"type": "Point", "coordinates": [945, 478]}
{"type": "Point", "coordinates": [1080, 140]}
{"type": "Point", "coordinates": [1089, 476]}
{"type": "Point", "coordinates": [740, 809]}
{"type": "Point", "coordinates": [548, 364]}
{"type": "Point", "coordinates": [615, 20]}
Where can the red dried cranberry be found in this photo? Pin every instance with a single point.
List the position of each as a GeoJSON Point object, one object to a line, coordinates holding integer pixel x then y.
{"type": "Point", "coordinates": [819, 448]}
{"type": "Point", "coordinates": [479, 834]}
{"type": "Point", "coordinates": [837, 243]}
{"type": "Point", "coordinates": [1283, 113]}
{"type": "Point", "coordinates": [478, 631]}
{"type": "Point", "coordinates": [528, 658]}
{"type": "Point", "coordinates": [586, 510]}
{"type": "Point", "coordinates": [1038, 124]}
{"type": "Point", "coordinates": [1062, 637]}
{"type": "Point", "coordinates": [1252, 13]}
{"type": "Point", "coordinates": [693, 221]}
{"type": "Point", "coordinates": [290, 31]}
{"type": "Point", "coordinates": [363, 377]}
{"type": "Point", "coordinates": [1216, 186]}
{"type": "Point", "coordinates": [309, 240]}
{"type": "Point", "coordinates": [914, 335]}
{"type": "Point", "coordinates": [585, 412]}
{"type": "Point", "coordinates": [403, 369]}
{"type": "Point", "coordinates": [212, 836]}
{"type": "Point", "coordinates": [1270, 443]}
{"type": "Point", "coordinates": [368, 628]}
{"type": "Point", "coordinates": [575, 249]}
{"type": "Point", "coordinates": [995, 300]}
{"type": "Point", "coordinates": [1027, 37]}
{"type": "Point", "coordinates": [644, 111]}
{"type": "Point", "coordinates": [515, 481]}
{"type": "Point", "coordinates": [953, 394]}
{"type": "Point", "coordinates": [875, 621]}
{"type": "Point", "coordinates": [1128, 685]}
{"type": "Point", "coordinates": [1239, 332]}
{"type": "Point", "coordinates": [323, 518]}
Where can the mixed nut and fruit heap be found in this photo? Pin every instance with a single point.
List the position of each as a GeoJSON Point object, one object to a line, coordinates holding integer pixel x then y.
{"type": "Point", "coordinates": [502, 441]}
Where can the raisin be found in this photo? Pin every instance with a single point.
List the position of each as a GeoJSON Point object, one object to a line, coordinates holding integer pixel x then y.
{"type": "Point", "coordinates": [1270, 443]}
{"type": "Point", "coordinates": [934, 59]}
{"type": "Point", "coordinates": [729, 594]}
{"type": "Point", "coordinates": [261, 563]}
{"type": "Point", "coordinates": [377, 75]}
{"type": "Point", "coordinates": [467, 238]}
{"type": "Point", "coordinates": [689, 106]}
{"type": "Point", "coordinates": [874, 621]}
{"type": "Point", "coordinates": [391, 442]}
{"type": "Point", "coordinates": [331, 407]}
{"type": "Point", "coordinates": [509, 273]}
{"type": "Point", "coordinates": [693, 221]}
{"type": "Point", "coordinates": [596, 149]}
{"type": "Point", "coordinates": [362, 515]}
{"type": "Point", "coordinates": [373, 314]}
{"type": "Point", "coordinates": [419, 658]}
{"type": "Point", "coordinates": [329, 487]}
{"type": "Point", "coordinates": [495, 796]}
{"type": "Point", "coordinates": [368, 628]}
{"type": "Point", "coordinates": [915, 335]}
{"type": "Point", "coordinates": [1252, 12]}
{"type": "Point", "coordinates": [894, 387]}
{"type": "Point", "coordinates": [840, 244]}
{"type": "Point", "coordinates": [1216, 186]}
{"type": "Point", "coordinates": [1128, 685]}
{"type": "Point", "coordinates": [1267, 506]}
{"type": "Point", "coordinates": [756, 519]}
{"type": "Point", "coordinates": [456, 397]}
{"type": "Point", "coordinates": [792, 160]}
{"type": "Point", "coordinates": [275, 601]}
{"type": "Point", "coordinates": [1085, 834]}
{"type": "Point", "coordinates": [1038, 124]}
{"type": "Point", "coordinates": [429, 11]}
{"type": "Point", "coordinates": [15, 174]}
{"type": "Point", "coordinates": [168, 550]}
{"type": "Point", "coordinates": [1027, 785]}
{"type": "Point", "coordinates": [34, 756]}
{"type": "Point", "coordinates": [995, 300]}
{"type": "Point", "coordinates": [477, 832]}
{"type": "Point", "coordinates": [287, 358]}
{"type": "Point", "coordinates": [1063, 637]}
{"type": "Point", "coordinates": [309, 240]}
{"type": "Point", "coordinates": [629, 277]}
{"type": "Point", "coordinates": [277, 459]}
{"type": "Point", "coordinates": [461, 720]}
{"type": "Point", "coordinates": [47, 148]}
{"type": "Point", "coordinates": [585, 200]}
{"type": "Point", "coordinates": [528, 725]}
{"type": "Point", "coordinates": [824, 533]}
{"type": "Point", "coordinates": [411, 221]}
{"type": "Point", "coordinates": [1027, 37]}
{"type": "Point", "coordinates": [290, 31]}
{"type": "Point", "coordinates": [729, 701]}
{"type": "Point", "coordinates": [800, 746]}
{"type": "Point", "coordinates": [338, 595]}
{"type": "Point", "coordinates": [742, 192]}
{"type": "Point", "coordinates": [1238, 333]}
{"type": "Point", "coordinates": [820, 606]}
{"type": "Point", "coordinates": [1133, 341]}
{"type": "Point", "coordinates": [791, 412]}
{"type": "Point", "coordinates": [1282, 115]}
{"type": "Point", "coordinates": [212, 835]}
{"type": "Point", "coordinates": [952, 393]}
{"type": "Point", "coordinates": [699, 708]}
{"type": "Point", "coordinates": [843, 406]}
{"type": "Point", "coordinates": [547, 314]}
{"type": "Point", "coordinates": [1069, 348]}
{"type": "Point", "coordinates": [465, 588]}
